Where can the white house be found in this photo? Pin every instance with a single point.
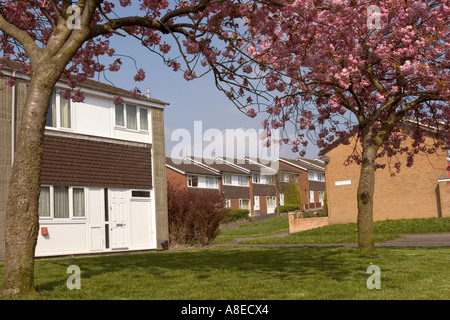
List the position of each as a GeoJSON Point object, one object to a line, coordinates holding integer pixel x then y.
{"type": "Point", "coordinates": [103, 180]}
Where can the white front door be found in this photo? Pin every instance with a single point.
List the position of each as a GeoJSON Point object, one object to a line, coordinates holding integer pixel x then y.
{"type": "Point", "coordinates": [118, 218]}
{"type": "Point", "coordinates": [256, 203]}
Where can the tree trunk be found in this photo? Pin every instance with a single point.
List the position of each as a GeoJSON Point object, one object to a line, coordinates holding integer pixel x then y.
{"type": "Point", "coordinates": [22, 218]}
{"type": "Point", "coordinates": [365, 192]}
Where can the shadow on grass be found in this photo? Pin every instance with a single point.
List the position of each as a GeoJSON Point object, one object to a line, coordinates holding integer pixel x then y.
{"type": "Point", "coordinates": [274, 264]}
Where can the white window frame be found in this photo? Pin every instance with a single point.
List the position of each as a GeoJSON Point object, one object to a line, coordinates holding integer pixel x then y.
{"type": "Point", "coordinates": [316, 176]}
{"type": "Point", "coordinates": [242, 181]}
{"type": "Point", "coordinates": [56, 116]}
{"type": "Point", "coordinates": [71, 216]}
{"type": "Point", "coordinates": [241, 206]}
{"type": "Point", "coordinates": [227, 203]}
{"type": "Point", "coordinates": [190, 181]}
{"type": "Point", "coordinates": [211, 182]}
{"type": "Point", "coordinates": [138, 118]}
{"type": "Point", "coordinates": [256, 178]}
{"type": "Point", "coordinates": [226, 177]}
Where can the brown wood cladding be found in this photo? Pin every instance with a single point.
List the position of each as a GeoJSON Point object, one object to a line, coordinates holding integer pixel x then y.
{"type": "Point", "coordinates": [81, 162]}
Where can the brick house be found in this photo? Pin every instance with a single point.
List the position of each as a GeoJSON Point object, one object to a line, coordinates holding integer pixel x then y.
{"type": "Point", "coordinates": [245, 183]}
{"type": "Point", "coordinates": [419, 191]}
{"type": "Point", "coordinates": [311, 180]}
{"type": "Point", "coordinates": [103, 177]}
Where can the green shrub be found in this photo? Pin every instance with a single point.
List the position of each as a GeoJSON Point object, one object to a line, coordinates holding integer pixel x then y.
{"type": "Point", "coordinates": [292, 195]}
{"type": "Point", "coordinates": [236, 214]}
{"type": "Point", "coordinates": [287, 208]}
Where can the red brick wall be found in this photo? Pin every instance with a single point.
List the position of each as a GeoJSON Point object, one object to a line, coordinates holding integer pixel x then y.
{"type": "Point", "coordinates": [303, 185]}
{"type": "Point", "coordinates": [176, 178]}
{"type": "Point", "coordinates": [91, 162]}
{"type": "Point", "coordinates": [297, 224]}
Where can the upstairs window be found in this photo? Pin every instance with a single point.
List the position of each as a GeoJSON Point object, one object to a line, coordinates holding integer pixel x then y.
{"type": "Point", "coordinates": [316, 176]}
{"type": "Point", "coordinates": [192, 181]}
{"type": "Point", "coordinates": [131, 117]}
{"type": "Point", "coordinates": [59, 114]}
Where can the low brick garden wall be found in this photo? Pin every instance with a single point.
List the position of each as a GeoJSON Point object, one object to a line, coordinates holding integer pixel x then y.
{"type": "Point", "coordinates": [297, 223]}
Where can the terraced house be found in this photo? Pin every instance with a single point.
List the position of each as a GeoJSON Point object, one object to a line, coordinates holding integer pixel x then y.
{"type": "Point", "coordinates": [103, 178]}
{"type": "Point", "coordinates": [245, 183]}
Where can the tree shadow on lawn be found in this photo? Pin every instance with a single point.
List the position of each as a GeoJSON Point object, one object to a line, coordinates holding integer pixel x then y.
{"type": "Point", "coordinates": [338, 264]}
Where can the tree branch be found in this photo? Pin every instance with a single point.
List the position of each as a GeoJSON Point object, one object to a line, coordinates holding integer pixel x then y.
{"type": "Point", "coordinates": [21, 36]}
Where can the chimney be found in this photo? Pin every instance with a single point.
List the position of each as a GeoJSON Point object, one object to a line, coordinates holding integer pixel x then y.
{"type": "Point", "coordinates": [148, 92]}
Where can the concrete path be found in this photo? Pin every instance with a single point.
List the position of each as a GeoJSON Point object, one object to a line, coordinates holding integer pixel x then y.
{"type": "Point", "coordinates": [419, 240]}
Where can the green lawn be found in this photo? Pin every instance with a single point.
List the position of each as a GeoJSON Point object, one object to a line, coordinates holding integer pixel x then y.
{"type": "Point", "coordinates": [242, 272]}
{"type": "Point", "coordinates": [340, 233]}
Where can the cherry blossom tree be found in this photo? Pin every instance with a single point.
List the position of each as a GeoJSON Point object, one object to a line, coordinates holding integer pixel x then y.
{"type": "Point", "coordinates": [325, 66]}
{"type": "Point", "coordinates": [66, 40]}
{"type": "Point", "coordinates": [336, 69]}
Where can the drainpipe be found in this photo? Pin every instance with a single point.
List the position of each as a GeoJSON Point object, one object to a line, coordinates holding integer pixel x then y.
{"type": "Point", "coordinates": [13, 120]}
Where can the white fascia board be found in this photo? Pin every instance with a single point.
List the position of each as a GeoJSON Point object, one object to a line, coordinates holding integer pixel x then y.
{"type": "Point", "coordinates": [312, 164]}
{"type": "Point", "coordinates": [175, 169]}
{"type": "Point", "coordinates": [293, 164]}
{"type": "Point", "coordinates": [236, 166]}
{"type": "Point", "coordinates": [201, 165]}
{"type": "Point", "coordinates": [205, 166]}
{"type": "Point", "coordinates": [261, 165]}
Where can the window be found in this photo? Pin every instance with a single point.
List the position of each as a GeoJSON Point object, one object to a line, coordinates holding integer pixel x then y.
{"type": "Point", "coordinates": [62, 202]}
{"type": "Point", "coordinates": [226, 179]}
{"type": "Point", "coordinates": [192, 181]}
{"type": "Point", "coordinates": [311, 196]}
{"type": "Point", "coordinates": [120, 120]}
{"type": "Point", "coordinates": [143, 119]}
{"type": "Point", "coordinates": [256, 178]}
{"type": "Point", "coordinates": [244, 204]}
{"type": "Point", "coordinates": [78, 202]}
{"type": "Point", "coordinates": [227, 203]}
{"type": "Point", "coordinates": [269, 179]}
{"type": "Point", "coordinates": [242, 180]}
{"type": "Point", "coordinates": [59, 113]}
{"type": "Point", "coordinates": [281, 199]}
{"type": "Point", "coordinates": [140, 194]}
{"type": "Point", "coordinates": [131, 117]}
{"type": "Point", "coordinates": [44, 202]}
{"type": "Point", "coordinates": [316, 176]}
{"type": "Point", "coordinates": [211, 182]}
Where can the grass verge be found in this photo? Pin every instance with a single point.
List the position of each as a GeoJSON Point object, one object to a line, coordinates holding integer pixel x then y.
{"type": "Point", "coordinates": [247, 273]}
{"type": "Point", "coordinates": [339, 233]}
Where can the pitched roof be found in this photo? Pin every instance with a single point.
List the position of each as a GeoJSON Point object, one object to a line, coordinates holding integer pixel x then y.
{"type": "Point", "coordinates": [13, 65]}
{"type": "Point", "coordinates": [223, 166]}
{"type": "Point", "coordinates": [187, 166]}
{"type": "Point", "coordinates": [306, 164]}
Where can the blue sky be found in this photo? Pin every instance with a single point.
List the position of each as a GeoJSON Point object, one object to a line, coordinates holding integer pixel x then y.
{"type": "Point", "coordinates": [189, 101]}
